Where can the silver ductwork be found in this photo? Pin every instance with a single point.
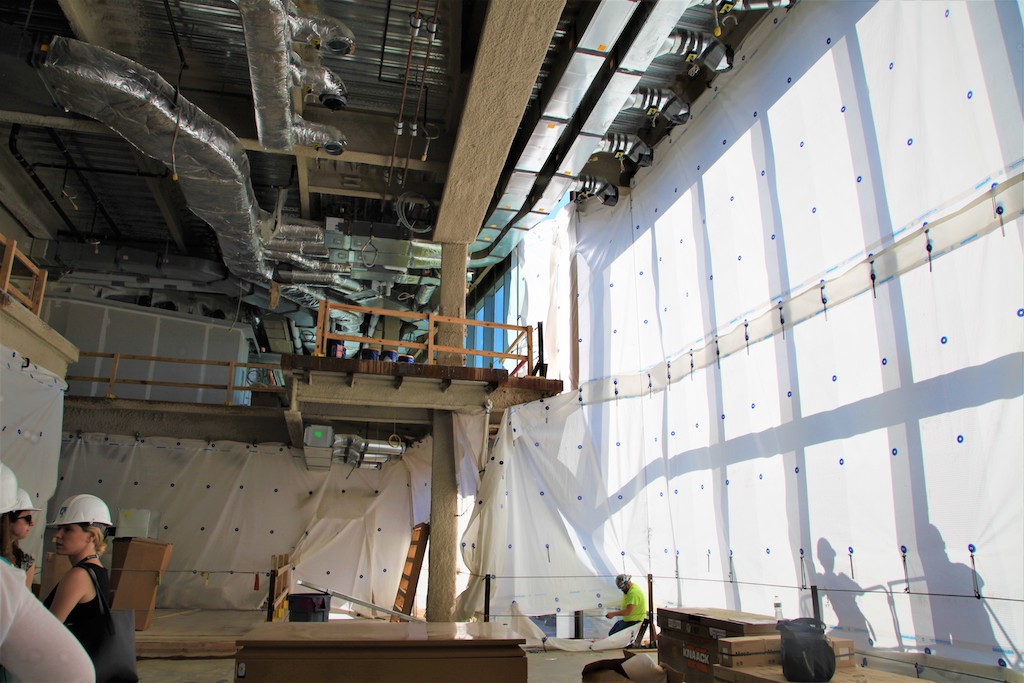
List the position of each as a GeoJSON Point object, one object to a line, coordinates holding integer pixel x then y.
{"type": "Point", "coordinates": [624, 145]}
{"type": "Point", "coordinates": [300, 231]}
{"type": "Point", "coordinates": [323, 31]}
{"type": "Point", "coordinates": [659, 102]}
{"type": "Point", "coordinates": [139, 105]}
{"type": "Point", "coordinates": [590, 186]}
{"type": "Point", "coordinates": [269, 33]}
{"type": "Point", "coordinates": [693, 46]}
{"type": "Point", "coordinates": [330, 90]}
{"type": "Point", "coordinates": [367, 453]}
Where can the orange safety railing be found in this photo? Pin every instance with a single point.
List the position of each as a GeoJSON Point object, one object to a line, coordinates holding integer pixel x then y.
{"type": "Point", "coordinates": [428, 348]}
{"type": "Point", "coordinates": [15, 267]}
{"type": "Point", "coordinates": [229, 387]}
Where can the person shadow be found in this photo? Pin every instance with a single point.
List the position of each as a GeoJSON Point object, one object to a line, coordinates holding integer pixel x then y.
{"type": "Point", "coordinates": [954, 590]}
{"type": "Point", "coordinates": [842, 592]}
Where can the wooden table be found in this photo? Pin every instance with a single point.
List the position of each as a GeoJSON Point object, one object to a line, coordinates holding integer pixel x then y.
{"type": "Point", "coordinates": [379, 652]}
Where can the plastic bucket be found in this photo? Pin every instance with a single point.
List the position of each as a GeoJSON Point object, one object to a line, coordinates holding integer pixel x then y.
{"type": "Point", "coordinates": [368, 354]}
{"type": "Point", "coordinates": [405, 358]}
{"type": "Point", "coordinates": [388, 355]}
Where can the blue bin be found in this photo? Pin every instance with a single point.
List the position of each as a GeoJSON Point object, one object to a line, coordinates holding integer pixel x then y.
{"type": "Point", "coordinates": [388, 355]}
{"type": "Point", "coordinates": [368, 354]}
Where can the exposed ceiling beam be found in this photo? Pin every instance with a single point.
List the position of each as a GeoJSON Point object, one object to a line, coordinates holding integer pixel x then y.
{"type": "Point", "coordinates": [362, 185]}
{"type": "Point", "coordinates": [161, 192]}
{"type": "Point", "coordinates": [513, 45]}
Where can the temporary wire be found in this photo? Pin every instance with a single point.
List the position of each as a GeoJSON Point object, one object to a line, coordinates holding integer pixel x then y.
{"type": "Point", "coordinates": [182, 65]}
{"type": "Point", "coordinates": [403, 201]}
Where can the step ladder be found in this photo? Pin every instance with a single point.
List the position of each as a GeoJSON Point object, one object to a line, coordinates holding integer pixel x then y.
{"type": "Point", "coordinates": [406, 595]}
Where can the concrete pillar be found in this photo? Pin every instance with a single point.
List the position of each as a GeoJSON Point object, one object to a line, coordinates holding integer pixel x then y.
{"type": "Point", "coordinates": [453, 302]}
{"type": "Point", "coordinates": [444, 512]}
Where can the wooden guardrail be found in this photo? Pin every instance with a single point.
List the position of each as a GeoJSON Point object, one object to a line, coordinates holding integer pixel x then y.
{"type": "Point", "coordinates": [229, 387]}
{"type": "Point", "coordinates": [428, 348]}
{"type": "Point", "coordinates": [14, 267]}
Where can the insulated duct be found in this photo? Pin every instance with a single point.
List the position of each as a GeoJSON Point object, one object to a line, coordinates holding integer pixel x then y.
{"type": "Point", "coordinates": [269, 33]}
{"type": "Point", "coordinates": [323, 31]}
{"type": "Point", "coordinates": [624, 145]}
{"type": "Point", "coordinates": [694, 46]}
{"type": "Point", "coordinates": [659, 102]}
{"type": "Point", "coordinates": [589, 186]}
{"type": "Point", "coordinates": [367, 453]}
{"type": "Point", "coordinates": [211, 165]}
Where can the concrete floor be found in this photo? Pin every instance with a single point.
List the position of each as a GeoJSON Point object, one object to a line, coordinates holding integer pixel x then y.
{"type": "Point", "coordinates": [543, 667]}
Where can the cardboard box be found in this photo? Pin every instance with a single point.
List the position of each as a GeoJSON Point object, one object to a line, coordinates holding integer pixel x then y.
{"type": "Point", "coordinates": [54, 568]}
{"type": "Point", "coordinates": [845, 651]}
{"type": "Point", "coordinates": [740, 661]}
{"type": "Point", "coordinates": [690, 638]}
{"type": "Point", "coordinates": [137, 568]}
{"type": "Point", "coordinates": [742, 645]}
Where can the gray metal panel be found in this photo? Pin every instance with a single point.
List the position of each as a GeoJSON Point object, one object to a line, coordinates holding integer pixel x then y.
{"type": "Point", "coordinates": [499, 219]}
{"type": "Point", "coordinates": [649, 40]}
{"type": "Point", "coordinates": [538, 147]}
{"type": "Point", "coordinates": [608, 21]}
{"type": "Point", "coordinates": [556, 189]}
{"type": "Point", "coordinates": [620, 87]}
{"type": "Point", "coordinates": [579, 74]}
{"type": "Point", "coordinates": [583, 147]}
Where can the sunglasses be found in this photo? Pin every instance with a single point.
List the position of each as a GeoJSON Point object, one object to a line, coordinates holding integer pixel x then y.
{"type": "Point", "coordinates": [27, 518]}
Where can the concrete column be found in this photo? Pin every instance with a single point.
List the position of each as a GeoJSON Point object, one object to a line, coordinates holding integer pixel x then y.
{"type": "Point", "coordinates": [444, 512]}
{"type": "Point", "coordinates": [453, 302]}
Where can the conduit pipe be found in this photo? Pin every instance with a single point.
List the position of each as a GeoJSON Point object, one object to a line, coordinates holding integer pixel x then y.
{"type": "Point", "coordinates": [413, 126]}
{"type": "Point", "coordinates": [414, 24]}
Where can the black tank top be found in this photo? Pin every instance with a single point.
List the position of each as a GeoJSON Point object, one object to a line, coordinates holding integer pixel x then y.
{"type": "Point", "coordinates": [86, 620]}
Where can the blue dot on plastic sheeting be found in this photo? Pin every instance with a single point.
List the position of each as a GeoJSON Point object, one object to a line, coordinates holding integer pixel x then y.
{"type": "Point", "coordinates": [850, 550]}
{"type": "Point", "coordinates": [620, 496]}
{"type": "Point", "coordinates": [536, 444]}
{"type": "Point", "coordinates": [755, 114]}
{"type": "Point", "coordinates": [760, 476]}
{"type": "Point", "coordinates": [739, 258]}
{"type": "Point", "coordinates": [885, 361]}
{"type": "Point", "coordinates": [762, 174]}
{"type": "Point", "coordinates": [796, 470]}
{"type": "Point", "coordinates": [970, 94]}
{"type": "Point", "coordinates": [789, 80]}
{"type": "Point", "coordinates": [661, 494]}
{"type": "Point", "coordinates": [1002, 662]}
{"type": "Point", "coordinates": [702, 487]}
{"type": "Point", "coordinates": [814, 209]}
{"type": "Point", "coordinates": [959, 438]}
{"type": "Point", "coordinates": [843, 109]}
{"type": "Point", "coordinates": [943, 340]}
{"type": "Point", "coordinates": [732, 198]}
{"type": "Point", "coordinates": [1020, 312]}
{"type": "Point", "coordinates": [903, 549]}
{"type": "Point", "coordinates": [890, 66]}
{"type": "Point", "coordinates": [842, 461]}
{"type": "Point", "coordinates": [910, 141]}
{"type": "Point", "coordinates": [618, 443]}
{"type": "Point", "coordinates": [723, 416]}
{"type": "Point", "coordinates": [547, 407]}
{"type": "Point", "coordinates": [579, 497]}
{"type": "Point", "coordinates": [834, 378]}
{"type": "Point", "coordinates": [726, 482]}
{"type": "Point", "coordinates": [801, 552]}
{"type": "Point", "coordinates": [611, 284]}
{"type": "Point", "coordinates": [676, 492]}
{"type": "Point", "coordinates": [767, 551]}
{"type": "Point", "coordinates": [622, 553]}
{"type": "Point", "coordinates": [927, 650]}
{"type": "Point", "coordinates": [947, 13]}
{"type": "Point", "coordinates": [773, 235]}
{"type": "Point", "coordinates": [970, 547]}
{"type": "Point", "coordinates": [580, 340]}
{"type": "Point", "coordinates": [510, 546]}
{"type": "Point", "coordinates": [789, 394]}
{"type": "Point", "coordinates": [753, 405]}
{"type": "Point", "coordinates": [542, 493]}
{"type": "Point", "coordinates": [894, 452]}
{"type": "Point", "coordinates": [579, 447]}
{"type": "Point", "coordinates": [860, 178]}
{"type": "Point", "coordinates": [673, 433]}
{"type": "Point", "coordinates": [801, 144]}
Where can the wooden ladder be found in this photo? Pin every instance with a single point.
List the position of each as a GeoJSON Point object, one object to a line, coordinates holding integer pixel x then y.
{"type": "Point", "coordinates": [406, 595]}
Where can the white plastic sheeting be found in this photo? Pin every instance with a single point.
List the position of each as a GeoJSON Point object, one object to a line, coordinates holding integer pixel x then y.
{"type": "Point", "coordinates": [873, 449]}
{"type": "Point", "coordinates": [31, 412]}
{"type": "Point", "coordinates": [228, 506]}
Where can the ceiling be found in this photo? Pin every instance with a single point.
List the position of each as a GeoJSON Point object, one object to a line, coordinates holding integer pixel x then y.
{"type": "Point", "coordinates": [514, 104]}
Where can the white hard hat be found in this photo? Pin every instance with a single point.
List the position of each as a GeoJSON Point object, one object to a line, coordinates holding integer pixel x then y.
{"type": "Point", "coordinates": [8, 489]}
{"type": "Point", "coordinates": [24, 502]}
{"type": "Point", "coordinates": [82, 509]}
{"type": "Point", "coordinates": [622, 579]}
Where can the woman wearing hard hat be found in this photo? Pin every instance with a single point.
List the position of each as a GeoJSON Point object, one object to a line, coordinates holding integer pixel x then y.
{"type": "Point", "coordinates": [14, 527]}
{"type": "Point", "coordinates": [33, 645]}
{"type": "Point", "coordinates": [81, 527]}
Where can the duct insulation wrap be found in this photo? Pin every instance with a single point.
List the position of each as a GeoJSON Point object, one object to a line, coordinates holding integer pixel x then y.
{"type": "Point", "coordinates": [298, 247]}
{"type": "Point", "coordinates": [307, 233]}
{"type": "Point", "coordinates": [333, 35]}
{"type": "Point", "coordinates": [318, 135]}
{"type": "Point", "coordinates": [212, 168]}
{"type": "Point", "coordinates": [267, 45]}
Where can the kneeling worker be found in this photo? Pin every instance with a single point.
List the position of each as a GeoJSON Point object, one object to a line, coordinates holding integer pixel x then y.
{"type": "Point", "coordinates": [632, 611]}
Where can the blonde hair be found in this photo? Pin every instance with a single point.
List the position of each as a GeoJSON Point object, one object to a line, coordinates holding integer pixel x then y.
{"type": "Point", "coordinates": [99, 540]}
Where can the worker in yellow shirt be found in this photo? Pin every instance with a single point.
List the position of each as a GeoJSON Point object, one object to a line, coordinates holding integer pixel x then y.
{"type": "Point", "coordinates": [633, 604]}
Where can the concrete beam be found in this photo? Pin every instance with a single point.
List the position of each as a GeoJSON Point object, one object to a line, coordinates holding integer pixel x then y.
{"type": "Point", "coordinates": [161, 192]}
{"type": "Point", "coordinates": [512, 49]}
